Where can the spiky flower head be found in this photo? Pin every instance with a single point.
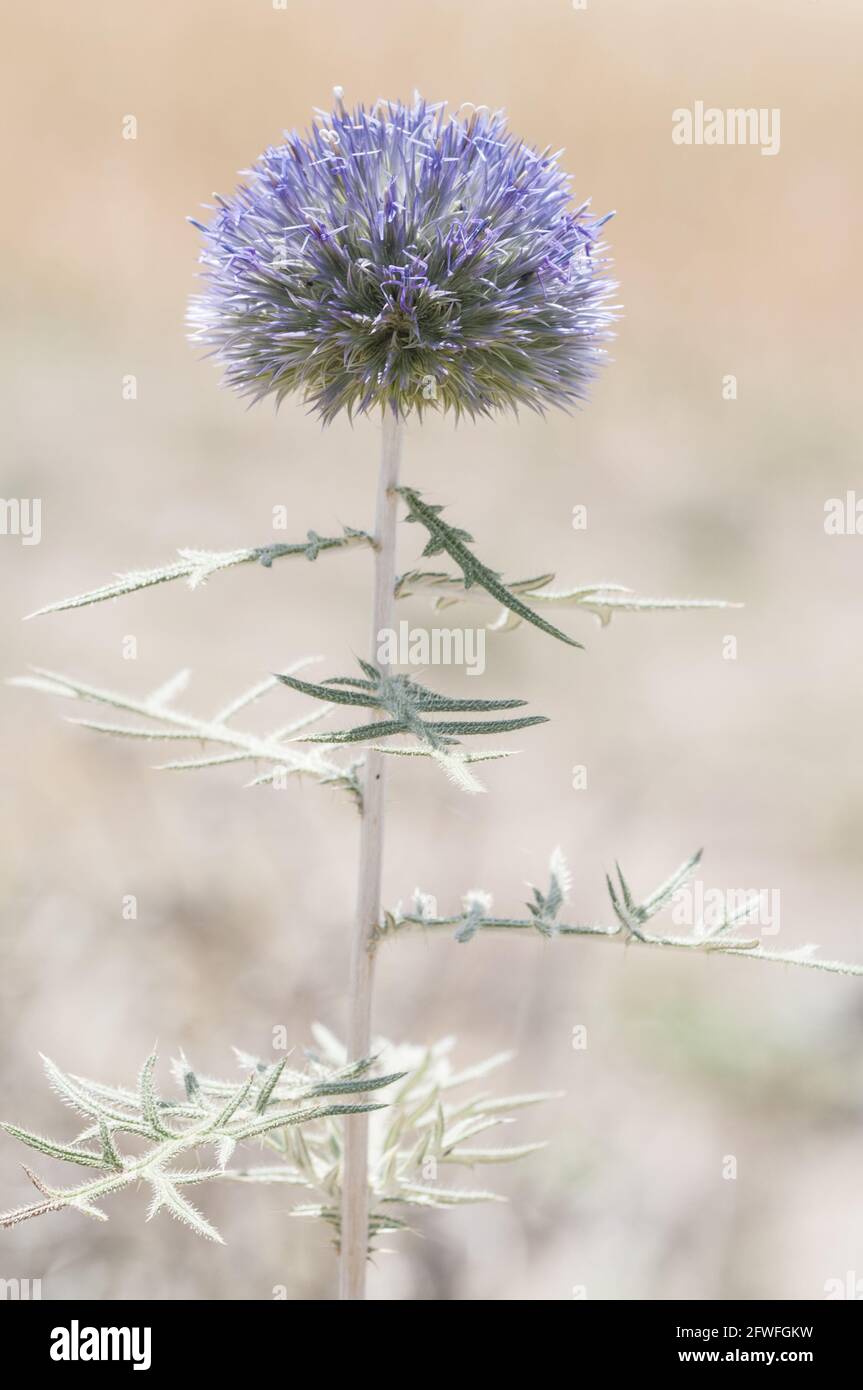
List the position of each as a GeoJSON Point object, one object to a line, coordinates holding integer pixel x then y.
{"type": "Point", "coordinates": [406, 258]}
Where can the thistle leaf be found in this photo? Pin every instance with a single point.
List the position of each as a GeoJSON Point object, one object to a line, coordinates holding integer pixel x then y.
{"type": "Point", "coordinates": [214, 1113]}
{"type": "Point", "coordinates": [279, 750]}
{"type": "Point", "coordinates": [630, 925]}
{"type": "Point", "coordinates": [325, 692]}
{"type": "Point", "coordinates": [166, 1195]}
{"type": "Point", "coordinates": [418, 1195]}
{"type": "Point", "coordinates": [368, 1083]}
{"type": "Point", "coordinates": [110, 1154]}
{"type": "Point", "coordinates": [196, 567]}
{"type": "Point", "coordinates": [443, 537]}
{"type": "Point", "coordinates": [149, 1100]}
{"type": "Point", "coordinates": [469, 1157]}
{"type": "Point", "coordinates": [269, 1085]}
{"type": "Point", "coordinates": [66, 1152]}
{"type": "Point", "coordinates": [600, 600]}
{"type": "Point", "coordinates": [384, 728]}
{"type": "Point", "coordinates": [236, 1100]}
{"type": "Point", "coordinates": [486, 726]}
{"type": "Point", "coordinates": [477, 905]}
{"type": "Point", "coordinates": [298, 1117]}
{"type": "Point", "coordinates": [406, 701]}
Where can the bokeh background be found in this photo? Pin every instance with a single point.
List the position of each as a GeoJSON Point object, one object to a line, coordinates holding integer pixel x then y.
{"type": "Point", "coordinates": [729, 263]}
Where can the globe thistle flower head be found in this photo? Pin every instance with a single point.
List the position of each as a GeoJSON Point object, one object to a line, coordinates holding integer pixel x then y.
{"type": "Point", "coordinates": [405, 258]}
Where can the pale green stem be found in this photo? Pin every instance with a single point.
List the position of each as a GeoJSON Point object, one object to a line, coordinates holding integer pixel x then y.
{"type": "Point", "coordinates": [355, 1191]}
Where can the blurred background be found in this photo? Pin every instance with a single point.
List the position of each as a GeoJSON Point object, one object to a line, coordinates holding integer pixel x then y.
{"type": "Point", "coordinates": [729, 263]}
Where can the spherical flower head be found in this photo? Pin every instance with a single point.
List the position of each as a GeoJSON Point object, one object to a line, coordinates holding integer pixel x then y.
{"type": "Point", "coordinates": [405, 258]}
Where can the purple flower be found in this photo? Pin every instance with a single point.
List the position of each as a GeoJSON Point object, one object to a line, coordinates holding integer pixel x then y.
{"type": "Point", "coordinates": [402, 257]}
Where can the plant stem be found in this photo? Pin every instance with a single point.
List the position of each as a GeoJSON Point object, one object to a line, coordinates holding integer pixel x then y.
{"type": "Point", "coordinates": [355, 1192]}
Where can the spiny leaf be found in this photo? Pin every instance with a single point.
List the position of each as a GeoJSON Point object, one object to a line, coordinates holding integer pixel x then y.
{"type": "Point", "coordinates": [406, 701]}
{"type": "Point", "coordinates": [384, 728]}
{"type": "Point", "coordinates": [419, 1195]}
{"type": "Point", "coordinates": [368, 1083]}
{"type": "Point", "coordinates": [630, 925]}
{"type": "Point", "coordinates": [604, 600]}
{"type": "Point", "coordinates": [214, 1113]}
{"type": "Point", "coordinates": [109, 1149]}
{"type": "Point", "coordinates": [298, 1117]}
{"type": "Point", "coordinates": [325, 692]}
{"type": "Point", "coordinates": [166, 1195]}
{"type": "Point", "coordinates": [429, 700]}
{"type": "Point", "coordinates": [224, 1150]}
{"type": "Point", "coordinates": [662, 895]}
{"type": "Point", "coordinates": [269, 1085]}
{"type": "Point", "coordinates": [485, 726]}
{"type": "Point", "coordinates": [488, 755]}
{"type": "Point", "coordinates": [86, 1208]}
{"type": "Point", "coordinates": [196, 566]}
{"type": "Point", "coordinates": [443, 537]}
{"type": "Point", "coordinates": [238, 1098]}
{"type": "Point", "coordinates": [84, 1157]}
{"type": "Point", "coordinates": [74, 1094]}
{"type": "Point", "coordinates": [278, 750]}
{"type": "Point", "coordinates": [600, 600]}
{"type": "Point", "coordinates": [471, 1156]}
{"type": "Point", "coordinates": [477, 906]}
{"type": "Point", "coordinates": [149, 1100]}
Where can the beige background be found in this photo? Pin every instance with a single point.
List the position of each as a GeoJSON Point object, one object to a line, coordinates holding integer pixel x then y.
{"type": "Point", "coordinates": [728, 262]}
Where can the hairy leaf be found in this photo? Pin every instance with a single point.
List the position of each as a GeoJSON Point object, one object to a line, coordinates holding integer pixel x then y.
{"type": "Point", "coordinates": [196, 566]}
{"type": "Point", "coordinates": [452, 540]}
{"type": "Point", "coordinates": [630, 924]}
